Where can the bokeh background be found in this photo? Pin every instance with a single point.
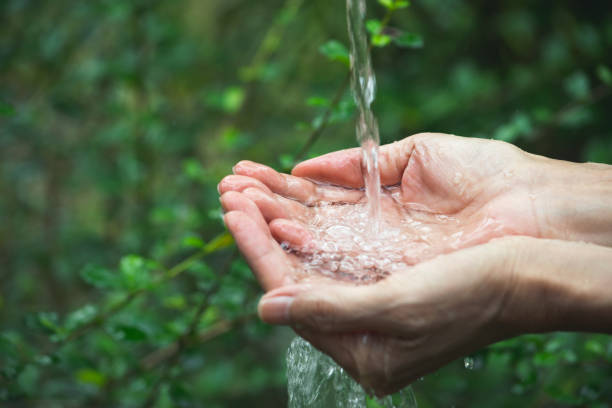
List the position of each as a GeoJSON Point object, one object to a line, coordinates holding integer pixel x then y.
{"type": "Point", "coordinates": [119, 286]}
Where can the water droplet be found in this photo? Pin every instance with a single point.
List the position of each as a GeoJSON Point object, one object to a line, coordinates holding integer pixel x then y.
{"type": "Point", "coordinates": [468, 363]}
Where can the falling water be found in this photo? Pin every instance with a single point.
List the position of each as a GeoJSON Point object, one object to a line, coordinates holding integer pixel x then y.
{"type": "Point", "coordinates": [364, 89]}
{"type": "Point", "coordinates": [314, 379]}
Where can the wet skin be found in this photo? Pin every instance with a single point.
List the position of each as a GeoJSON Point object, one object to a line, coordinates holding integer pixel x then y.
{"type": "Point", "coordinates": [442, 192]}
{"type": "Point", "coordinates": [424, 316]}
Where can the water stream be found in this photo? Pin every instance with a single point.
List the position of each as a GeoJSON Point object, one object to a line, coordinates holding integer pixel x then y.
{"type": "Point", "coordinates": [314, 379]}
{"type": "Point", "coordinates": [363, 85]}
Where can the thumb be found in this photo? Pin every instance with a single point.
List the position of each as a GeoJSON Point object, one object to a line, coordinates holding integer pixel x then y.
{"type": "Point", "coordinates": [331, 308]}
{"type": "Point", "coordinates": [343, 167]}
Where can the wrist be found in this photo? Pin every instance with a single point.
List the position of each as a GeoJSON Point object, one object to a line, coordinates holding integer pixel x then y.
{"type": "Point", "coordinates": [558, 286]}
{"type": "Point", "coordinates": [572, 201]}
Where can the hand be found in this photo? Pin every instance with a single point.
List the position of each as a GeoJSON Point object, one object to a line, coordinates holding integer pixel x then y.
{"type": "Point", "coordinates": [388, 334]}
{"type": "Point", "coordinates": [456, 192]}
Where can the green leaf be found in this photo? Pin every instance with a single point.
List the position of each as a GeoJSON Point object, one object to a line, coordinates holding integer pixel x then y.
{"type": "Point", "coordinates": [90, 377]}
{"type": "Point", "coordinates": [193, 169]}
{"type": "Point", "coordinates": [336, 51]}
{"type": "Point", "coordinates": [595, 347]}
{"type": "Point", "coordinates": [544, 358]}
{"type": "Point", "coordinates": [135, 272]}
{"type": "Point", "coordinates": [604, 74]}
{"type": "Point", "coordinates": [81, 317]}
{"type": "Point", "coordinates": [380, 40]}
{"type": "Point", "coordinates": [229, 100]}
{"type": "Point", "coordinates": [317, 101]}
{"type": "Point", "coordinates": [99, 277]}
{"type": "Point", "coordinates": [129, 333]}
{"type": "Point", "coordinates": [49, 321]}
{"type": "Point", "coordinates": [387, 3]}
{"type": "Point", "coordinates": [176, 302]}
{"type": "Point", "coordinates": [373, 26]}
{"type": "Point", "coordinates": [287, 161]}
{"type": "Point", "coordinates": [409, 40]}
{"type": "Point", "coordinates": [193, 242]}
{"type": "Point", "coordinates": [394, 4]}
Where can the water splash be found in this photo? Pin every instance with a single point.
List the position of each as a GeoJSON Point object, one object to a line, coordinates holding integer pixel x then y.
{"type": "Point", "coordinates": [315, 381]}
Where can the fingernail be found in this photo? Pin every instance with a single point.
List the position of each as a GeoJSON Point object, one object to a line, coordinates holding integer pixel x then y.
{"type": "Point", "coordinates": [219, 188]}
{"type": "Point", "coordinates": [275, 310]}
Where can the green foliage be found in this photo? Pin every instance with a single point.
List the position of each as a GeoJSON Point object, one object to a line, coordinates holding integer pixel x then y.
{"type": "Point", "coordinates": [335, 51]}
{"type": "Point", "coordinates": [393, 5]}
{"type": "Point", "coordinates": [118, 119]}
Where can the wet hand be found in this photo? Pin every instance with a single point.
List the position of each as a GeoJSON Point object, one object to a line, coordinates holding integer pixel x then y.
{"type": "Point", "coordinates": [388, 334]}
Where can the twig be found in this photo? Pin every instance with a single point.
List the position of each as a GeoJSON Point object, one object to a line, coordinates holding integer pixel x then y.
{"type": "Point", "coordinates": [318, 131]}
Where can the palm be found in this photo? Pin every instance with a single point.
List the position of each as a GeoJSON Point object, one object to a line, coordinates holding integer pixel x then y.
{"type": "Point", "coordinates": [441, 193]}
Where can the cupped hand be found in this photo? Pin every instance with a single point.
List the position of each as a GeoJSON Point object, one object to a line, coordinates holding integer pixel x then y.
{"type": "Point", "coordinates": [440, 193]}
{"type": "Point", "coordinates": [388, 334]}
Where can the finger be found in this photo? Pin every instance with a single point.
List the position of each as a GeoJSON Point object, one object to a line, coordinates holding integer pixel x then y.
{"type": "Point", "coordinates": [292, 233]}
{"type": "Point", "coordinates": [343, 168]}
{"type": "Point", "coordinates": [265, 257]}
{"type": "Point", "coordinates": [333, 308]}
{"type": "Point", "coordinates": [292, 187]}
{"type": "Point", "coordinates": [273, 206]}
{"type": "Point", "coordinates": [240, 183]}
{"type": "Point", "coordinates": [296, 188]}
{"type": "Point", "coordinates": [235, 201]}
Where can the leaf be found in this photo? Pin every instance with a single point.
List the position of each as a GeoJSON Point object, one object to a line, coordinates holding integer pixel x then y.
{"type": "Point", "coordinates": [373, 26]}
{"type": "Point", "coordinates": [287, 161]}
{"type": "Point", "coordinates": [336, 51]}
{"type": "Point", "coordinates": [49, 322]}
{"type": "Point", "coordinates": [81, 317]}
{"type": "Point", "coordinates": [595, 347]}
{"type": "Point", "coordinates": [176, 302]}
{"type": "Point", "coordinates": [604, 74]}
{"type": "Point", "coordinates": [99, 277]}
{"type": "Point", "coordinates": [135, 272]}
{"type": "Point", "coordinates": [193, 169]}
{"type": "Point", "coordinates": [229, 100]}
{"type": "Point", "coordinates": [233, 98]}
{"type": "Point", "coordinates": [90, 377]}
{"type": "Point", "coordinates": [129, 333]}
{"type": "Point", "coordinates": [193, 242]}
{"type": "Point", "coordinates": [317, 101]}
{"type": "Point", "coordinates": [409, 40]}
{"type": "Point", "coordinates": [394, 4]}
{"type": "Point", "coordinates": [380, 40]}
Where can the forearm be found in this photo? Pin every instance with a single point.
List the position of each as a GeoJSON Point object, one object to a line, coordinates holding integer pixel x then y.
{"type": "Point", "coordinates": [573, 201]}
{"type": "Point", "coordinates": [560, 286]}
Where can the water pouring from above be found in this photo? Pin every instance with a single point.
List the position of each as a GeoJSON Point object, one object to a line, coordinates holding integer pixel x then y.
{"type": "Point", "coordinates": [363, 83]}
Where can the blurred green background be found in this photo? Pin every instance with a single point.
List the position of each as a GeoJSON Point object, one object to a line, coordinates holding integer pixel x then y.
{"type": "Point", "coordinates": [119, 287]}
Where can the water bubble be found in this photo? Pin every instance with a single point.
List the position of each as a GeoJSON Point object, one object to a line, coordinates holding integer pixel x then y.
{"type": "Point", "coordinates": [468, 363]}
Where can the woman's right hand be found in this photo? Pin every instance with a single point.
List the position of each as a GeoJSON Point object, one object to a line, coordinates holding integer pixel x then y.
{"type": "Point", "coordinates": [388, 334]}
